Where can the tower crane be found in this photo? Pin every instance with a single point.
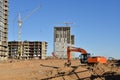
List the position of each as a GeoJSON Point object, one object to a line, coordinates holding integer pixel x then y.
{"type": "Point", "coordinates": [20, 21]}
{"type": "Point", "coordinates": [67, 23]}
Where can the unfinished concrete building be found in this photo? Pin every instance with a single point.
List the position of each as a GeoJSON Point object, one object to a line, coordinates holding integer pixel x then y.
{"type": "Point", "coordinates": [30, 49]}
{"type": "Point", "coordinates": [3, 29]}
{"type": "Point", "coordinates": [62, 39]}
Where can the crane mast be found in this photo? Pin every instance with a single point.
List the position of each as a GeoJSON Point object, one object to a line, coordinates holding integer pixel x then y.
{"type": "Point", "coordinates": [19, 27]}
{"type": "Point", "coordinates": [19, 36]}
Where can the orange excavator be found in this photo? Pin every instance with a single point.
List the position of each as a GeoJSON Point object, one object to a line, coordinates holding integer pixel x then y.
{"type": "Point", "coordinates": [84, 57]}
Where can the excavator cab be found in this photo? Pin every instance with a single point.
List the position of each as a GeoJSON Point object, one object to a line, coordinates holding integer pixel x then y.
{"type": "Point", "coordinates": [84, 58]}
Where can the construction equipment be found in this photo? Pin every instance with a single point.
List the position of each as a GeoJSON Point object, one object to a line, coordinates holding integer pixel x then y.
{"type": "Point", "coordinates": [84, 57]}
{"type": "Point", "coordinates": [67, 23]}
{"type": "Point", "coordinates": [20, 21]}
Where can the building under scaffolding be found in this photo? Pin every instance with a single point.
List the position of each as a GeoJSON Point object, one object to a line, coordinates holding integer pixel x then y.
{"type": "Point", "coordinates": [62, 39]}
{"type": "Point", "coordinates": [30, 49]}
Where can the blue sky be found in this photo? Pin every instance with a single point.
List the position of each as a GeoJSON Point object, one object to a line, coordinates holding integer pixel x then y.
{"type": "Point", "coordinates": [96, 23]}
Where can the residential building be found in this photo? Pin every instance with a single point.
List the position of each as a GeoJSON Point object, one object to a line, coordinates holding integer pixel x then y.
{"type": "Point", "coordinates": [3, 29]}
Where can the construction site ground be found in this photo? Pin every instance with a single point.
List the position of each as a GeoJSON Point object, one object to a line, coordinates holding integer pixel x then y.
{"type": "Point", "coordinates": [56, 70]}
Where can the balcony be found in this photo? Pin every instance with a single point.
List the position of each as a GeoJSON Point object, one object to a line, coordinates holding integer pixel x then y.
{"type": "Point", "coordinates": [5, 8]}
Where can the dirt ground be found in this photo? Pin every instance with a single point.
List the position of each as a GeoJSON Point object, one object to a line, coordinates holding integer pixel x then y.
{"type": "Point", "coordinates": [55, 70]}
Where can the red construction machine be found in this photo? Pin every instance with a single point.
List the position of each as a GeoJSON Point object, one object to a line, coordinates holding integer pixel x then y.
{"type": "Point", "coordinates": [84, 57]}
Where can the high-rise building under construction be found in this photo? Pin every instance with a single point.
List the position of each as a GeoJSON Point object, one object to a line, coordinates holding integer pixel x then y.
{"type": "Point", "coordinates": [62, 39]}
{"type": "Point", "coordinates": [3, 29]}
